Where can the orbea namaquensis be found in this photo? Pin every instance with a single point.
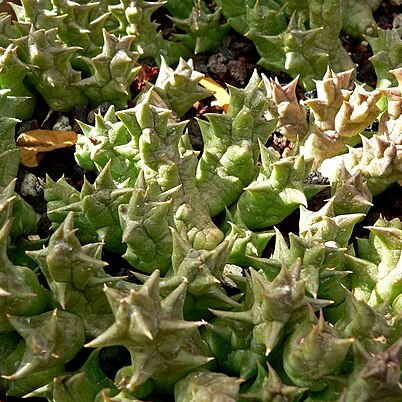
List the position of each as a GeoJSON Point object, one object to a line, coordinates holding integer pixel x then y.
{"type": "Point", "coordinates": [24, 216]}
{"type": "Point", "coordinates": [387, 50]}
{"type": "Point", "coordinates": [231, 150]}
{"type": "Point", "coordinates": [112, 72]}
{"type": "Point", "coordinates": [8, 30]}
{"type": "Point", "coordinates": [169, 165]}
{"type": "Point", "coordinates": [206, 386]}
{"type": "Point", "coordinates": [77, 24]}
{"type": "Point", "coordinates": [163, 346]}
{"type": "Point", "coordinates": [104, 142]}
{"type": "Point", "coordinates": [366, 324]}
{"type": "Point", "coordinates": [20, 291]}
{"type": "Point", "coordinates": [358, 21]}
{"type": "Point", "coordinates": [242, 339]}
{"type": "Point", "coordinates": [178, 88]}
{"type": "Point", "coordinates": [383, 248]}
{"type": "Point", "coordinates": [203, 270]}
{"type": "Point", "coordinates": [12, 74]}
{"type": "Point", "coordinates": [291, 114]}
{"type": "Point", "coordinates": [391, 121]}
{"type": "Point", "coordinates": [308, 44]}
{"type": "Point", "coordinates": [116, 136]}
{"type": "Point", "coordinates": [351, 193]}
{"type": "Point", "coordinates": [268, 307]}
{"type": "Point", "coordinates": [378, 160]}
{"type": "Point", "coordinates": [269, 386]}
{"type": "Point", "coordinates": [247, 244]}
{"type": "Point", "coordinates": [83, 385]}
{"type": "Point", "coordinates": [325, 226]}
{"type": "Point", "coordinates": [51, 73]}
{"type": "Point", "coordinates": [75, 275]}
{"type": "Point", "coordinates": [52, 339]}
{"type": "Point", "coordinates": [134, 18]}
{"type": "Point", "coordinates": [36, 15]}
{"type": "Point", "coordinates": [374, 375]}
{"type": "Point", "coordinates": [278, 189]}
{"type": "Point", "coordinates": [182, 8]}
{"type": "Point", "coordinates": [317, 270]}
{"type": "Point", "coordinates": [81, 26]}
{"type": "Point", "coordinates": [62, 198]}
{"type": "Point", "coordinates": [96, 208]}
{"type": "Point", "coordinates": [338, 115]}
{"type": "Point", "coordinates": [204, 30]}
{"type": "Point", "coordinates": [319, 355]}
{"type": "Point", "coordinates": [9, 153]}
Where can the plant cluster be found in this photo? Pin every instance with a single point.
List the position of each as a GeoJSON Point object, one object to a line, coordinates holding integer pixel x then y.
{"type": "Point", "coordinates": [211, 314]}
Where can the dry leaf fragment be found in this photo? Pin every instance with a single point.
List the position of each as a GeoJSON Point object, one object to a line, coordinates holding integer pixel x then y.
{"type": "Point", "coordinates": [34, 142]}
{"type": "Point", "coordinates": [221, 95]}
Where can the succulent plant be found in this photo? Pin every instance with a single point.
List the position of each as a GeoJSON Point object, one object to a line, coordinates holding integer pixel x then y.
{"type": "Point", "coordinates": [75, 275]}
{"type": "Point", "coordinates": [81, 26]}
{"type": "Point", "coordinates": [19, 101]}
{"type": "Point", "coordinates": [338, 115]}
{"type": "Point", "coordinates": [312, 352]}
{"type": "Point", "coordinates": [324, 226]}
{"type": "Point", "coordinates": [99, 144]}
{"type": "Point", "coordinates": [100, 199]}
{"type": "Point", "coordinates": [384, 237]}
{"type": "Point", "coordinates": [349, 187]}
{"type": "Point", "coordinates": [52, 339]}
{"type": "Point", "coordinates": [203, 269]}
{"type": "Point", "coordinates": [383, 60]}
{"type": "Point", "coordinates": [204, 30]}
{"type": "Point", "coordinates": [11, 204]}
{"type": "Point", "coordinates": [367, 381]}
{"type": "Point", "coordinates": [182, 9]}
{"type": "Point", "coordinates": [53, 74]}
{"type": "Point", "coordinates": [84, 384]}
{"type": "Point", "coordinates": [270, 306]}
{"type": "Point", "coordinates": [377, 161]}
{"type": "Point", "coordinates": [9, 155]}
{"type": "Point", "coordinates": [21, 293]}
{"type": "Point", "coordinates": [358, 21]}
{"type": "Point", "coordinates": [204, 385]}
{"type": "Point", "coordinates": [207, 308]}
{"type": "Point", "coordinates": [364, 323]}
{"type": "Point", "coordinates": [112, 72]}
{"type": "Point", "coordinates": [247, 244]}
{"type": "Point", "coordinates": [308, 43]}
{"type": "Point", "coordinates": [8, 30]}
{"type": "Point", "coordinates": [76, 23]}
{"type": "Point", "coordinates": [169, 165]}
{"type": "Point", "coordinates": [269, 386]}
{"type": "Point", "coordinates": [178, 88]}
{"type": "Point", "coordinates": [291, 114]}
{"type": "Point", "coordinates": [134, 18]}
{"type": "Point", "coordinates": [278, 189]}
{"type": "Point", "coordinates": [229, 160]}
{"type": "Point", "coordinates": [160, 342]}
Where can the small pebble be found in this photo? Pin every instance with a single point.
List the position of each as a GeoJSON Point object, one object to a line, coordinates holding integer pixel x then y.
{"type": "Point", "coordinates": [62, 123]}
{"type": "Point", "coordinates": [30, 186]}
{"type": "Point", "coordinates": [238, 71]}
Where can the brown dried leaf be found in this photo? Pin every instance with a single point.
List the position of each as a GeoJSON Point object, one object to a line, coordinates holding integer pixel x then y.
{"type": "Point", "coordinates": [34, 142]}
{"type": "Point", "coordinates": [221, 95]}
